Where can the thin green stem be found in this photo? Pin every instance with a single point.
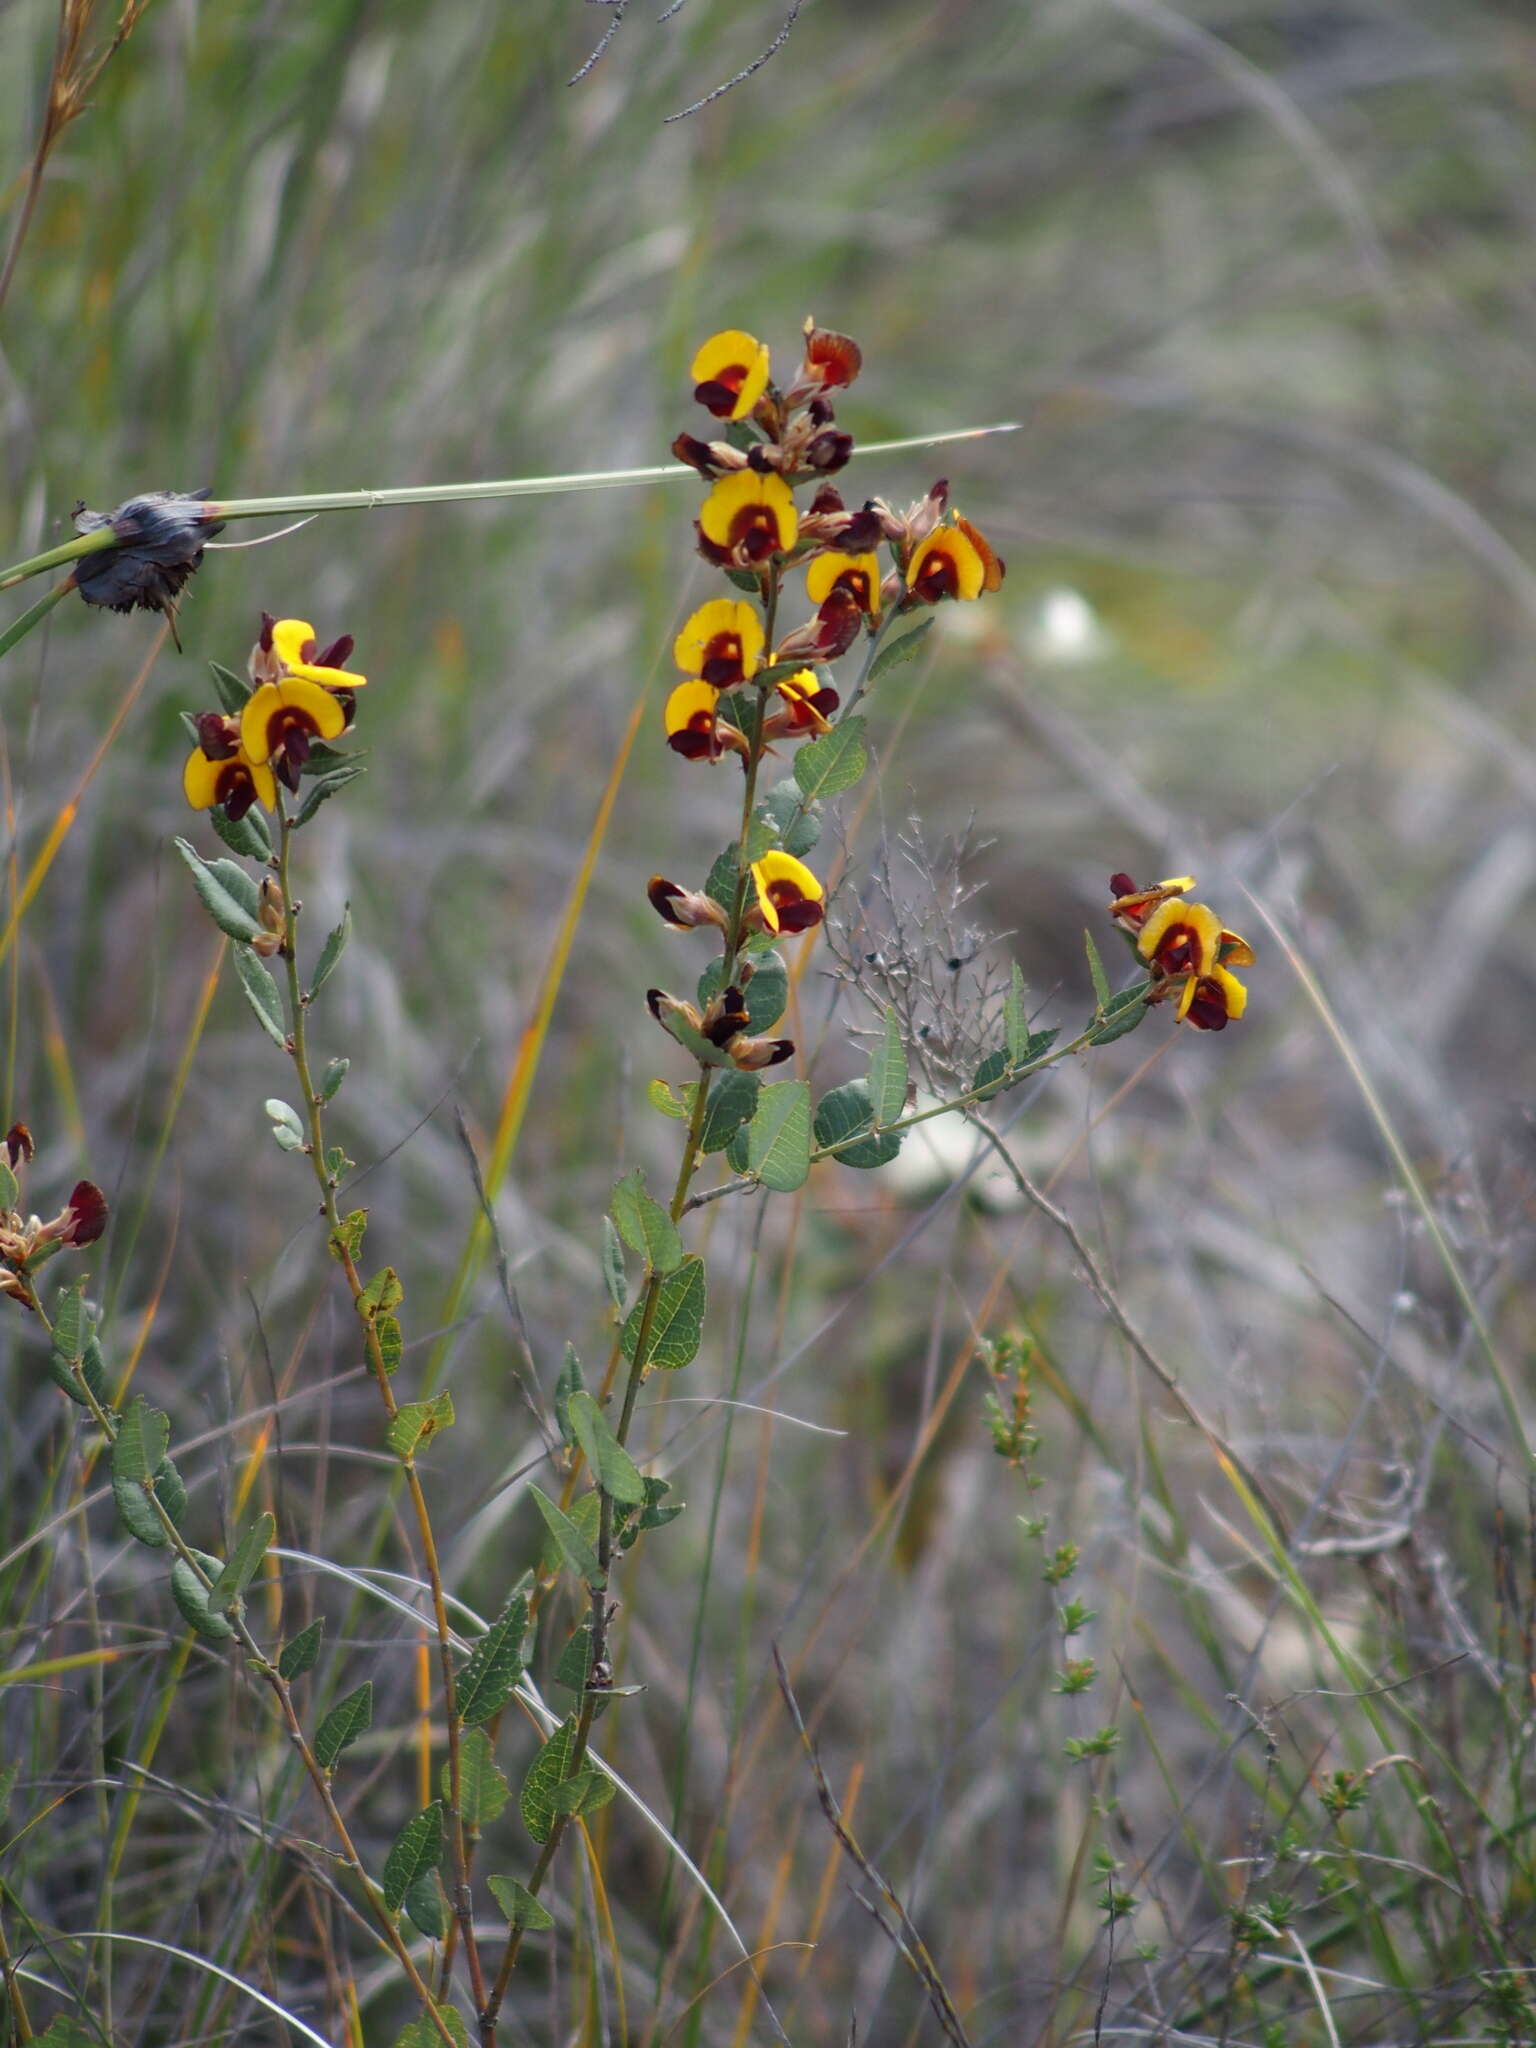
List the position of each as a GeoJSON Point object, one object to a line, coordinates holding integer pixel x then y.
{"type": "Point", "coordinates": [449, 494]}
{"type": "Point", "coordinates": [34, 615]}
{"type": "Point", "coordinates": [313, 1106]}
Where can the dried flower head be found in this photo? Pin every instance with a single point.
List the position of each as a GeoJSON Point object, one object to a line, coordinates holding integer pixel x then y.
{"type": "Point", "coordinates": [160, 537]}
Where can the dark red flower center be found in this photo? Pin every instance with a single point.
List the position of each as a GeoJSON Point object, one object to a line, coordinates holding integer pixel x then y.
{"type": "Point", "coordinates": [755, 532]}
{"type": "Point", "coordinates": [697, 740]}
{"type": "Point", "coordinates": [796, 911]}
{"type": "Point", "coordinates": [1208, 1011]}
{"type": "Point", "coordinates": [718, 394]}
{"type": "Point", "coordinates": [235, 790]}
{"type": "Point", "coordinates": [724, 661]}
{"type": "Point", "coordinates": [939, 576]}
{"type": "Point", "coordinates": [1178, 950]}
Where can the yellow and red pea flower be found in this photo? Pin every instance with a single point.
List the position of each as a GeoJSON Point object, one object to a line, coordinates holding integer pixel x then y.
{"type": "Point", "coordinates": [684, 908]}
{"type": "Point", "coordinates": [953, 561]}
{"type": "Point", "coordinates": [807, 705]}
{"type": "Point", "coordinates": [831, 359]}
{"type": "Point", "coordinates": [280, 722]}
{"type": "Point", "coordinates": [789, 897]}
{"type": "Point", "coordinates": [1183, 941]}
{"type": "Point", "coordinates": [859, 575]}
{"type": "Point", "coordinates": [721, 643]}
{"type": "Point", "coordinates": [746, 518]}
{"type": "Point", "coordinates": [730, 374]}
{"type": "Point", "coordinates": [1131, 907]}
{"type": "Point", "coordinates": [220, 771]}
{"type": "Point", "coordinates": [694, 728]}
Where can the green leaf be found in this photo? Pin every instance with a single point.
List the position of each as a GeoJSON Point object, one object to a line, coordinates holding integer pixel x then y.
{"type": "Point", "coordinates": [732, 1102]}
{"type": "Point", "coordinates": [536, 1802]}
{"type": "Point", "coordinates": [576, 1659]}
{"type": "Point", "coordinates": [614, 1467]}
{"type": "Point", "coordinates": [1101, 991]}
{"type": "Point", "coordinates": [589, 1789]}
{"type": "Point", "coordinates": [421, 2033]}
{"type": "Point", "coordinates": [677, 1321]}
{"type": "Point", "coordinates": [247, 836]}
{"type": "Point", "coordinates": [382, 1293]}
{"type": "Point", "coordinates": [261, 993]}
{"type": "Point", "coordinates": [644, 1225]}
{"type": "Point", "coordinates": [615, 1279]}
{"type": "Point", "coordinates": [232, 690]}
{"type": "Point", "coordinates": [1015, 1023]}
{"type": "Point", "coordinates": [586, 1513]}
{"type": "Point", "coordinates": [765, 992]}
{"type": "Point", "coordinates": [231, 910]}
{"type": "Point", "coordinates": [495, 1665]}
{"type": "Point", "coordinates": [834, 762]}
{"type": "Point", "coordinates": [843, 1111]}
{"type": "Point", "coordinates": [778, 1139]}
{"type": "Point", "coordinates": [896, 652]}
{"type": "Point", "coordinates": [415, 1423]}
{"type": "Point", "coordinates": [136, 1507]}
{"type": "Point", "coordinates": [575, 1551]}
{"type": "Point", "coordinates": [520, 1906]}
{"type": "Point", "coordinates": [332, 1078]}
{"type": "Point", "coordinates": [795, 821]}
{"type": "Point", "coordinates": [299, 1656]}
{"type": "Point", "coordinates": [10, 1187]}
{"type": "Point", "coordinates": [1122, 1014]}
{"type": "Point", "coordinates": [720, 883]}
{"type": "Point", "coordinates": [244, 1562]}
{"type": "Point", "coordinates": [568, 1383]}
{"type": "Point", "coordinates": [282, 1115]}
{"type": "Point", "coordinates": [64, 2032]}
{"type": "Point", "coordinates": [427, 1909]}
{"type": "Point", "coordinates": [888, 1073]}
{"type": "Point", "coordinates": [483, 1788]}
{"type": "Point", "coordinates": [342, 1726]}
{"type": "Point", "coordinates": [992, 1076]}
{"type": "Point", "coordinates": [143, 1438]}
{"type": "Point", "coordinates": [75, 1356]}
{"type": "Point", "coordinates": [190, 1596]}
{"type": "Point", "coordinates": [659, 1095]}
{"type": "Point", "coordinates": [321, 788]}
{"type": "Point", "coordinates": [331, 952]}
{"type": "Point", "coordinates": [349, 1237]}
{"type": "Point", "coordinates": [417, 1848]}
{"type": "Point", "coordinates": [386, 1330]}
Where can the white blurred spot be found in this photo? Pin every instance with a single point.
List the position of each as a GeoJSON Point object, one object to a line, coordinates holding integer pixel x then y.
{"type": "Point", "coordinates": [1066, 628]}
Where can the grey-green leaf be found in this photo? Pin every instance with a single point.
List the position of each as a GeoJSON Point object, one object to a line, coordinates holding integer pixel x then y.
{"type": "Point", "coordinates": [427, 1910]}
{"type": "Point", "coordinates": [520, 1906]}
{"type": "Point", "coordinates": [575, 1551]}
{"type": "Point", "coordinates": [732, 1101]}
{"type": "Point", "coordinates": [143, 1438]}
{"type": "Point", "coordinates": [644, 1225]}
{"type": "Point", "coordinates": [615, 1468]}
{"type": "Point", "coordinates": [1015, 1023]}
{"type": "Point", "coordinates": [585, 1792]}
{"type": "Point", "coordinates": [244, 1562]}
{"type": "Point", "coordinates": [347, 1720]}
{"type": "Point", "coordinates": [536, 1801]}
{"type": "Point", "coordinates": [261, 993]}
{"type": "Point", "coordinates": [844, 1111]}
{"type": "Point", "coordinates": [896, 652]}
{"type": "Point", "coordinates": [324, 786]}
{"type": "Point", "coordinates": [233, 690]}
{"type": "Point", "coordinates": [332, 1078]}
{"type": "Point", "coordinates": [223, 903]}
{"type": "Point", "coordinates": [677, 1321]}
{"type": "Point", "coordinates": [495, 1665]}
{"type": "Point", "coordinates": [417, 1848]}
{"type": "Point", "coordinates": [1096, 970]}
{"type": "Point", "coordinates": [834, 762]}
{"type": "Point", "coordinates": [299, 1656]}
{"type": "Point", "coordinates": [615, 1280]}
{"type": "Point", "coordinates": [136, 1506]}
{"type": "Point", "coordinates": [566, 1384]}
{"type": "Point", "coordinates": [332, 951]}
{"type": "Point", "coordinates": [888, 1072]}
{"type": "Point", "coordinates": [188, 1592]}
{"type": "Point", "coordinates": [1122, 1014]}
{"type": "Point", "coordinates": [483, 1788]}
{"type": "Point", "coordinates": [778, 1139]}
{"type": "Point", "coordinates": [247, 836]}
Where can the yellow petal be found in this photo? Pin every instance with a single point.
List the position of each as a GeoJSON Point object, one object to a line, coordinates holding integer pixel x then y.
{"type": "Point", "coordinates": [686, 703]}
{"type": "Point", "coordinates": [318, 708]}
{"type": "Point", "coordinates": [289, 639]}
{"type": "Point", "coordinates": [737, 361]}
{"type": "Point", "coordinates": [200, 780]}
{"type": "Point", "coordinates": [968, 570]}
{"type": "Point", "coordinates": [721, 616]}
{"type": "Point", "coordinates": [737, 496]}
{"type": "Point", "coordinates": [821, 576]}
{"type": "Point", "coordinates": [779, 868]}
{"type": "Point", "coordinates": [1232, 989]}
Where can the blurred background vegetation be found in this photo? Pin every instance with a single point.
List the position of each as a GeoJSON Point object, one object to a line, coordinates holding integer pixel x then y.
{"type": "Point", "coordinates": [1254, 277]}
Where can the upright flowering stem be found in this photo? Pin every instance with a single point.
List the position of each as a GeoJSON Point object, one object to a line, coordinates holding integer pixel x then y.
{"type": "Point", "coordinates": [312, 1103]}
{"type": "Point", "coordinates": [263, 1667]}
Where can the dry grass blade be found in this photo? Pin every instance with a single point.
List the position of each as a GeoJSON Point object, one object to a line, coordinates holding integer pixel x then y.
{"type": "Point", "coordinates": [903, 1934]}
